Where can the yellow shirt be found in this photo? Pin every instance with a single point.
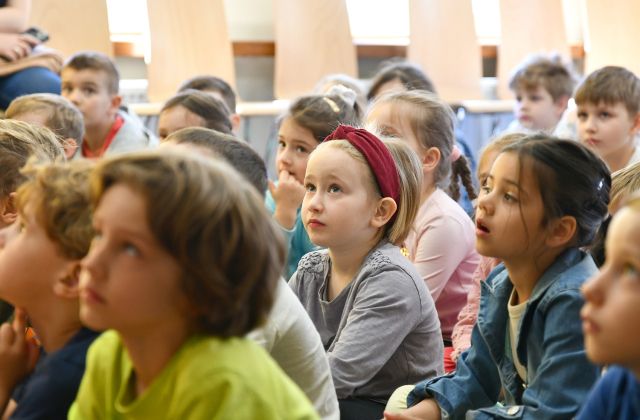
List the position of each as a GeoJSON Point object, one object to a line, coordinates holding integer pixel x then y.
{"type": "Point", "coordinates": [208, 378]}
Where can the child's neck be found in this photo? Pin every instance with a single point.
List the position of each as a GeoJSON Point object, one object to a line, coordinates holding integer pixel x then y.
{"type": "Point", "coordinates": [620, 159]}
{"type": "Point", "coordinates": [95, 136]}
{"type": "Point", "coordinates": [526, 271]}
{"type": "Point", "coordinates": [428, 188]}
{"type": "Point", "coordinates": [54, 328]}
{"type": "Point", "coordinates": [345, 264]}
{"type": "Point", "coordinates": [151, 350]}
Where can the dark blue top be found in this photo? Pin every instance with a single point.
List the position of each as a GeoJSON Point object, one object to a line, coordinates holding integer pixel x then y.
{"type": "Point", "coordinates": [49, 391]}
{"type": "Point", "coordinates": [615, 396]}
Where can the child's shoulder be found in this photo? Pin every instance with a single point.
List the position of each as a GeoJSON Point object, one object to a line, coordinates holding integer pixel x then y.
{"type": "Point", "coordinates": [314, 261]}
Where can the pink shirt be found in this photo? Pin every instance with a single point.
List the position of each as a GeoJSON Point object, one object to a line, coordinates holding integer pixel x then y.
{"type": "Point", "coordinates": [468, 316]}
{"type": "Point", "coordinates": [442, 247]}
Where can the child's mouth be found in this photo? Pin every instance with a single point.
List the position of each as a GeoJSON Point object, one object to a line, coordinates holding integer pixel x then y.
{"type": "Point", "coordinates": [482, 228]}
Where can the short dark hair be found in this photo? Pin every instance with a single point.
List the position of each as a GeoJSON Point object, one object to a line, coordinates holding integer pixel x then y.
{"type": "Point", "coordinates": [409, 74]}
{"type": "Point", "coordinates": [573, 181]}
{"type": "Point", "coordinates": [212, 110]}
{"type": "Point", "coordinates": [235, 151]}
{"type": "Point", "coordinates": [93, 60]}
{"type": "Point", "coordinates": [212, 83]}
{"type": "Point", "coordinates": [210, 221]}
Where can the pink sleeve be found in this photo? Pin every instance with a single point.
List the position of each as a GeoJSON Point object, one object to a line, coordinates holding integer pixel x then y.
{"type": "Point", "coordinates": [439, 252]}
{"type": "Point", "coordinates": [461, 336]}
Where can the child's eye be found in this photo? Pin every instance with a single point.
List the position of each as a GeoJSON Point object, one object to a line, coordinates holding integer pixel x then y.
{"type": "Point", "coordinates": [510, 198]}
{"type": "Point", "coordinates": [131, 249]}
{"type": "Point", "coordinates": [334, 188]}
{"type": "Point", "coordinates": [310, 187]}
{"type": "Point", "coordinates": [281, 144]}
{"type": "Point", "coordinates": [582, 115]}
{"type": "Point", "coordinates": [631, 271]}
{"type": "Point", "coordinates": [604, 115]}
{"type": "Point", "coordinates": [519, 98]}
{"type": "Point", "coordinates": [301, 149]}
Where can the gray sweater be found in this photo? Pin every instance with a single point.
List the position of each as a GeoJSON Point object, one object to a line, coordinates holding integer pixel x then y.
{"type": "Point", "coordinates": [382, 330]}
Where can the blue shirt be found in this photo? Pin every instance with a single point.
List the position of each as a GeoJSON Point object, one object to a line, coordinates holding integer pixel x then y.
{"type": "Point", "coordinates": [549, 343]}
{"type": "Point", "coordinates": [49, 391]}
{"type": "Point", "coordinates": [615, 396]}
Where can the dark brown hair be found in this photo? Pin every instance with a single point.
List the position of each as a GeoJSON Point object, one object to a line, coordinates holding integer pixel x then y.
{"type": "Point", "coordinates": [212, 110]}
{"type": "Point", "coordinates": [212, 83]}
{"type": "Point", "coordinates": [549, 73]}
{"type": "Point", "coordinates": [611, 85]}
{"type": "Point", "coordinates": [211, 221]}
{"type": "Point", "coordinates": [409, 74]}
{"type": "Point", "coordinates": [92, 60]}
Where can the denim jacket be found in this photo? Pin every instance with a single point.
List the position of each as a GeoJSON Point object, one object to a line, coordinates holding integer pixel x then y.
{"type": "Point", "coordinates": [549, 343]}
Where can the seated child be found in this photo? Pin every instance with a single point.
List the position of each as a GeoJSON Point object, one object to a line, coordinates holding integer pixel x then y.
{"type": "Point", "coordinates": [327, 83]}
{"type": "Point", "coordinates": [192, 108]}
{"type": "Point", "coordinates": [221, 90]}
{"type": "Point", "coordinates": [54, 112]}
{"type": "Point", "coordinates": [608, 103]}
{"type": "Point", "coordinates": [306, 123]}
{"type": "Point", "coordinates": [527, 347]}
{"type": "Point", "coordinates": [542, 87]}
{"type": "Point", "coordinates": [288, 334]}
{"type": "Point", "coordinates": [375, 316]}
{"type": "Point", "coordinates": [91, 81]}
{"type": "Point", "coordinates": [39, 274]}
{"type": "Point", "coordinates": [441, 242]}
{"type": "Point", "coordinates": [461, 335]}
{"type": "Point", "coordinates": [610, 315]}
{"type": "Point", "coordinates": [167, 273]}
{"type": "Point", "coordinates": [19, 141]}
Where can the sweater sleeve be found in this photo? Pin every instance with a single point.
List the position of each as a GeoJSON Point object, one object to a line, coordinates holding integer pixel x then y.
{"type": "Point", "coordinates": [386, 308]}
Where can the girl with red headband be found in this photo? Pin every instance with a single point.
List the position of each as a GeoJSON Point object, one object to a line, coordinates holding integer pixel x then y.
{"type": "Point", "coordinates": [373, 312]}
{"type": "Point", "coordinates": [442, 243]}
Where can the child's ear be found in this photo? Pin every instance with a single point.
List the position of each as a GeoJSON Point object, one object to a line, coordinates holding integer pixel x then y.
{"type": "Point", "coordinates": [116, 101]}
{"type": "Point", "coordinates": [235, 123]}
{"type": "Point", "coordinates": [70, 146]}
{"type": "Point", "coordinates": [384, 211]}
{"type": "Point", "coordinates": [431, 158]}
{"type": "Point", "coordinates": [561, 104]}
{"type": "Point", "coordinates": [68, 286]}
{"type": "Point", "coordinates": [8, 210]}
{"type": "Point", "coordinates": [636, 124]}
{"type": "Point", "coordinates": [562, 231]}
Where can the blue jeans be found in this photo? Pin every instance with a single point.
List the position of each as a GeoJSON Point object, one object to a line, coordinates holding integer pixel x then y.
{"type": "Point", "coordinates": [29, 80]}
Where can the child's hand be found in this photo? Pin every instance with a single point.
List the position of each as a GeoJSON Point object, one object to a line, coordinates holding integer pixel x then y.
{"type": "Point", "coordinates": [18, 355]}
{"type": "Point", "coordinates": [288, 195]}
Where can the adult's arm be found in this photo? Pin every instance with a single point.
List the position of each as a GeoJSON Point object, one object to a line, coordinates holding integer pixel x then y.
{"type": "Point", "coordinates": [14, 17]}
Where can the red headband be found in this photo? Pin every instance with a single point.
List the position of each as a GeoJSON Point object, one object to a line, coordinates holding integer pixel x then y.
{"type": "Point", "coordinates": [377, 155]}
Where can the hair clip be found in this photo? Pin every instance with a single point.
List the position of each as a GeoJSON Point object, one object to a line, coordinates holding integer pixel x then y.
{"type": "Point", "coordinates": [332, 104]}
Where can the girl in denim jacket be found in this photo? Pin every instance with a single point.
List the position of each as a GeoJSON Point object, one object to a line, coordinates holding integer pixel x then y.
{"type": "Point", "coordinates": [543, 199]}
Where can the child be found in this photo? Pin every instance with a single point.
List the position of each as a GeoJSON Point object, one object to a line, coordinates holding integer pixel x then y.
{"type": "Point", "coordinates": [397, 77]}
{"type": "Point", "coordinates": [193, 108]}
{"type": "Point", "coordinates": [527, 345]}
{"type": "Point", "coordinates": [608, 103]}
{"type": "Point", "coordinates": [39, 269]}
{"type": "Point", "coordinates": [542, 87]}
{"type": "Point", "coordinates": [288, 334]}
{"type": "Point", "coordinates": [90, 81]}
{"type": "Point", "coordinates": [173, 283]}
{"type": "Point", "coordinates": [610, 315]}
{"type": "Point", "coordinates": [19, 141]}
{"type": "Point", "coordinates": [374, 314]}
{"type": "Point", "coordinates": [624, 183]}
{"type": "Point", "coordinates": [441, 243]}
{"type": "Point", "coordinates": [307, 122]}
{"type": "Point", "coordinates": [221, 90]}
{"type": "Point", "coordinates": [461, 335]}
{"type": "Point", "coordinates": [51, 111]}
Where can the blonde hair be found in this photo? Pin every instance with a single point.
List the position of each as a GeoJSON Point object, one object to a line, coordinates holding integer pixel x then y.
{"type": "Point", "coordinates": [19, 141]}
{"type": "Point", "coordinates": [401, 224]}
{"type": "Point", "coordinates": [410, 173]}
{"type": "Point", "coordinates": [210, 220]}
{"type": "Point", "coordinates": [59, 194]}
{"type": "Point", "coordinates": [624, 183]}
{"type": "Point", "coordinates": [432, 122]}
{"type": "Point", "coordinates": [63, 118]}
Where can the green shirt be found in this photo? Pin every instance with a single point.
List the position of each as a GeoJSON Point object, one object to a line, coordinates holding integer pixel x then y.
{"type": "Point", "coordinates": [208, 378]}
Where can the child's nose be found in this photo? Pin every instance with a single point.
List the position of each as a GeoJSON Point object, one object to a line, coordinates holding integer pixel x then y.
{"type": "Point", "coordinates": [591, 289]}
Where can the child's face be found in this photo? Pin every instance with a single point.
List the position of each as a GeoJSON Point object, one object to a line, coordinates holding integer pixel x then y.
{"type": "Point", "coordinates": [30, 262]}
{"type": "Point", "coordinates": [87, 89]}
{"type": "Point", "coordinates": [536, 110]}
{"type": "Point", "coordinates": [128, 281]}
{"type": "Point", "coordinates": [338, 205]}
{"type": "Point", "coordinates": [485, 163]}
{"type": "Point", "coordinates": [387, 118]}
{"type": "Point", "coordinates": [611, 313]}
{"type": "Point", "coordinates": [176, 118]}
{"type": "Point", "coordinates": [607, 129]}
{"type": "Point", "coordinates": [295, 144]}
{"type": "Point", "coordinates": [510, 212]}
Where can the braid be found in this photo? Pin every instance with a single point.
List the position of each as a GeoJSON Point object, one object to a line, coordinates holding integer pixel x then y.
{"type": "Point", "coordinates": [460, 169]}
